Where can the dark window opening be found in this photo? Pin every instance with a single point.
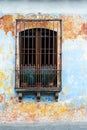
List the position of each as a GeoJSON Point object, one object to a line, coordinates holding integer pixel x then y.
{"type": "Point", "coordinates": [40, 44]}
{"type": "Point", "coordinates": [38, 52]}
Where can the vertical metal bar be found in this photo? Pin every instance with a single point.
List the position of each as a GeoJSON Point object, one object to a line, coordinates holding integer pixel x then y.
{"type": "Point", "coordinates": [53, 43]}
{"type": "Point", "coordinates": [24, 45]}
{"type": "Point", "coordinates": [32, 43]}
{"type": "Point", "coordinates": [45, 46]}
{"type": "Point", "coordinates": [28, 43]}
{"type": "Point", "coordinates": [19, 45]}
{"type": "Point", "coordinates": [32, 50]}
{"type": "Point", "coordinates": [49, 47]}
{"type": "Point", "coordinates": [36, 45]}
{"type": "Point", "coordinates": [24, 56]}
{"type": "Point", "coordinates": [44, 50]}
{"type": "Point", "coordinates": [28, 53]}
{"type": "Point", "coordinates": [55, 49]}
{"type": "Point", "coordinates": [40, 35]}
{"type": "Point", "coordinates": [40, 53]}
{"type": "Point", "coordinates": [36, 54]}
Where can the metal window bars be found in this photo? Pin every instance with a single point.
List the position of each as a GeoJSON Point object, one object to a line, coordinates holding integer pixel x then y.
{"type": "Point", "coordinates": [38, 56]}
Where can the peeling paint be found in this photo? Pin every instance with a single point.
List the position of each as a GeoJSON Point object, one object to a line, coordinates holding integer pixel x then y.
{"type": "Point", "coordinates": [72, 105]}
{"type": "Point", "coordinates": [33, 112]}
{"type": "Point", "coordinates": [72, 25]}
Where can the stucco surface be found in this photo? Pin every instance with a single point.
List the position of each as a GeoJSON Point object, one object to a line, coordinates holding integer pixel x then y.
{"type": "Point", "coordinates": [72, 105]}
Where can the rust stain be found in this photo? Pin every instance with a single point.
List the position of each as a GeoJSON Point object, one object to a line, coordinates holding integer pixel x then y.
{"type": "Point", "coordinates": [2, 98]}
{"type": "Point", "coordinates": [72, 26]}
{"type": "Point", "coordinates": [21, 25]}
{"type": "Point", "coordinates": [7, 23]}
{"type": "Point", "coordinates": [83, 30]}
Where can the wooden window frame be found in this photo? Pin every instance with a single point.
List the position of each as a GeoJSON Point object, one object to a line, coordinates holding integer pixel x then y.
{"type": "Point", "coordinates": [56, 90]}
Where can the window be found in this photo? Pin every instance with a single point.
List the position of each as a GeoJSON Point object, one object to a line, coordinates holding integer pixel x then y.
{"type": "Point", "coordinates": [38, 43]}
{"type": "Point", "coordinates": [38, 56]}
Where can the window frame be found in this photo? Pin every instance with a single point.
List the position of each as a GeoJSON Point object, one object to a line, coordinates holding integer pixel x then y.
{"type": "Point", "coordinates": [59, 59]}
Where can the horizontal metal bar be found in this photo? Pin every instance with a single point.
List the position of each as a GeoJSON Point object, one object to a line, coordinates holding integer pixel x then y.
{"type": "Point", "coordinates": [27, 66]}
{"type": "Point", "coordinates": [34, 36]}
{"type": "Point", "coordinates": [53, 69]}
{"type": "Point", "coordinates": [39, 89]}
{"type": "Point", "coordinates": [37, 53]}
{"type": "Point", "coordinates": [18, 20]}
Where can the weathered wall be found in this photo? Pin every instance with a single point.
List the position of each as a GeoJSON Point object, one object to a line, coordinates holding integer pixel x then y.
{"type": "Point", "coordinates": [72, 105]}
